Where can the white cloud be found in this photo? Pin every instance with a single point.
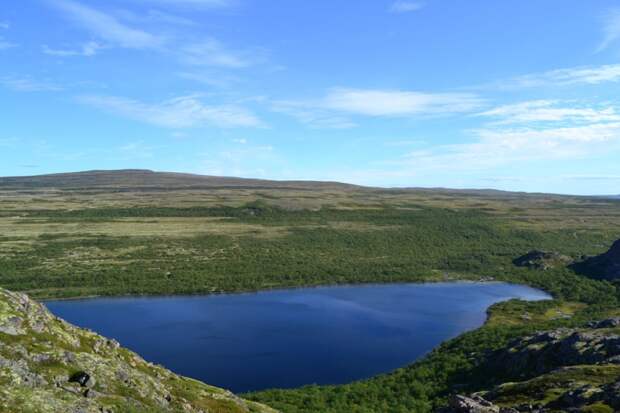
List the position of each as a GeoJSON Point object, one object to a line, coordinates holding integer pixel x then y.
{"type": "Point", "coordinates": [549, 111]}
{"type": "Point", "coordinates": [181, 112]}
{"type": "Point", "coordinates": [333, 110]}
{"type": "Point", "coordinates": [405, 6]}
{"type": "Point", "coordinates": [500, 146]}
{"type": "Point", "coordinates": [589, 75]}
{"type": "Point", "coordinates": [113, 30]}
{"type": "Point", "coordinates": [211, 52]}
{"type": "Point", "coordinates": [611, 29]}
{"type": "Point", "coordinates": [241, 141]}
{"type": "Point", "coordinates": [397, 103]}
{"type": "Point", "coordinates": [87, 49]}
{"type": "Point", "coordinates": [27, 84]}
{"type": "Point", "coordinates": [107, 27]}
{"type": "Point", "coordinates": [4, 44]}
{"type": "Point", "coordinates": [5, 25]}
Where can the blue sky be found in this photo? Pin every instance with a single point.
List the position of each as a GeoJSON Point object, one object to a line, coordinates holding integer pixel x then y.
{"type": "Point", "coordinates": [516, 95]}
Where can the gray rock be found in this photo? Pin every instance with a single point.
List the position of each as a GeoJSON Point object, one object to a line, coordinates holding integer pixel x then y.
{"type": "Point", "coordinates": [12, 326]}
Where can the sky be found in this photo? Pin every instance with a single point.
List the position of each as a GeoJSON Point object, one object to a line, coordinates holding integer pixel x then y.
{"type": "Point", "coordinates": [516, 95]}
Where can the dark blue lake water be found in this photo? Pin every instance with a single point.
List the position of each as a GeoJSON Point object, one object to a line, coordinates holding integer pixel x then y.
{"type": "Point", "coordinates": [289, 338]}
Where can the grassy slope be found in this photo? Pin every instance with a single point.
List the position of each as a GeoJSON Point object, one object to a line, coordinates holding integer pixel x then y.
{"type": "Point", "coordinates": [130, 235]}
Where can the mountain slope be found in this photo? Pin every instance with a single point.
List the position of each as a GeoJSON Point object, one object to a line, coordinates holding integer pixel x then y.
{"type": "Point", "coordinates": [48, 365]}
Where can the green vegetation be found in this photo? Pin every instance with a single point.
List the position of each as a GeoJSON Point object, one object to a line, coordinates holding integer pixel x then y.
{"type": "Point", "coordinates": [268, 246]}
{"type": "Point", "coordinates": [84, 241]}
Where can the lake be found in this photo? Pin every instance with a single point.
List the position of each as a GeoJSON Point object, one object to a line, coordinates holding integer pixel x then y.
{"type": "Point", "coordinates": [288, 338]}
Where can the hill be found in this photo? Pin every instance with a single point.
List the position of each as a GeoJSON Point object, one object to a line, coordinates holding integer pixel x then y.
{"type": "Point", "coordinates": [141, 179]}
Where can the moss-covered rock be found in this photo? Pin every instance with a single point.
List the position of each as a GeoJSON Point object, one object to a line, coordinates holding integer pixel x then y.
{"type": "Point", "coordinates": [48, 365]}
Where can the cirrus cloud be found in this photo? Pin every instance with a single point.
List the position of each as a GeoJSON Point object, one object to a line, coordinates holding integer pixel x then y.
{"type": "Point", "coordinates": [177, 113]}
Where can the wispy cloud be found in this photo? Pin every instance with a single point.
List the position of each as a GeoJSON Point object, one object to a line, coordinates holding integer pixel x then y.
{"type": "Point", "coordinates": [155, 17]}
{"type": "Point", "coordinates": [405, 6]}
{"type": "Point", "coordinates": [127, 30]}
{"type": "Point", "coordinates": [312, 115]}
{"type": "Point", "coordinates": [4, 44]}
{"type": "Point", "coordinates": [210, 79]}
{"type": "Point", "coordinates": [495, 147]}
{"type": "Point", "coordinates": [87, 49]}
{"type": "Point", "coordinates": [337, 107]}
{"type": "Point", "coordinates": [398, 103]}
{"type": "Point", "coordinates": [178, 113]}
{"type": "Point", "coordinates": [587, 75]}
{"type": "Point", "coordinates": [28, 84]}
{"type": "Point", "coordinates": [611, 29]}
{"type": "Point", "coordinates": [550, 111]}
{"type": "Point", "coordinates": [211, 52]}
{"type": "Point", "coordinates": [107, 27]}
{"type": "Point", "coordinates": [5, 25]}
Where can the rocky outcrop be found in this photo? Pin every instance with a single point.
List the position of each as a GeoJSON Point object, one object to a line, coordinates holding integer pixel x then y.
{"type": "Point", "coordinates": [545, 351]}
{"type": "Point", "coordinates": [542, 260]}
{"type": "Point", "coordinates": [48, 365]}
{"type": "Point", "coordinates": [605, 266]}
{"type": "Point", "coordinates": [562, 370]}
{"type": "Point", "coordinates": [474, 404]}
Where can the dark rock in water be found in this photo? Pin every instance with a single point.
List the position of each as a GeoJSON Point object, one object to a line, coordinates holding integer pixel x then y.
{"type": "Point", "coordinates": [605, 266]}
{"type": "Point", "coordinates": [542, 260]}
{"type": "Point", "coordinates": [82, 378]}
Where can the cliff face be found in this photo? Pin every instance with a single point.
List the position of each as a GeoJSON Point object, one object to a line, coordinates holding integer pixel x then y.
{"type": "Point", "coordinates": [48, 365]}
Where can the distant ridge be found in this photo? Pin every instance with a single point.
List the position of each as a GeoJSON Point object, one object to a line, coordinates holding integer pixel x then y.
{"type": "Point", "coordinates": [126, 180]}
{"type": "Point", "coordinates": [136, 179]}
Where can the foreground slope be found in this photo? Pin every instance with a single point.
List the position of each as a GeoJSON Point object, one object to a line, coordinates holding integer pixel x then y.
{"type": "Point", "coordinates": [48, 365]}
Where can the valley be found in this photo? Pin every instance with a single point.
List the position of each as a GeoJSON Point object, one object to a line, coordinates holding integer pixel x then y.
{"type": "Point", "coordinates": [134, 232]}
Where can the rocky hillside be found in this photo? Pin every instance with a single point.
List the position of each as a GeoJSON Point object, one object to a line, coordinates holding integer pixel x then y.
{"type": "Point", "coordinates": [48, 365]}
{"type": "Point", "coordinates": [564, 370]}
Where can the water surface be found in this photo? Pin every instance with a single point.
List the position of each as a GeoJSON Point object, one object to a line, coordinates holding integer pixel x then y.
{"type": "Point", "coordinates": [288, 338]}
